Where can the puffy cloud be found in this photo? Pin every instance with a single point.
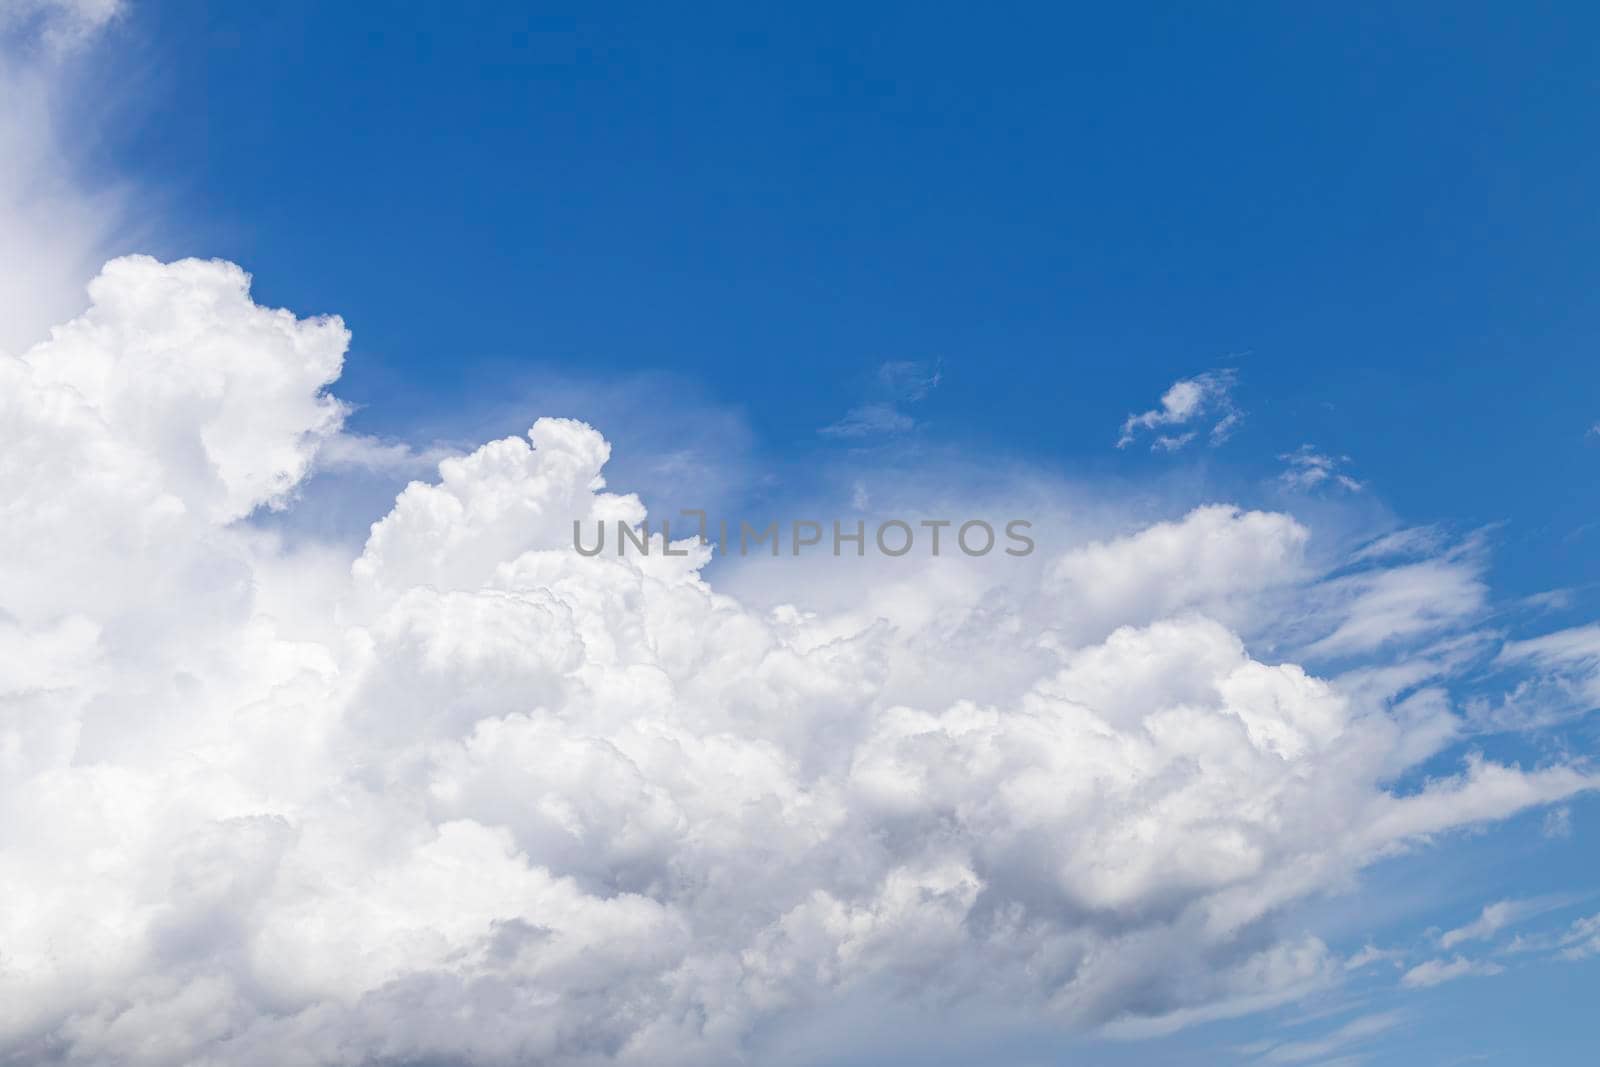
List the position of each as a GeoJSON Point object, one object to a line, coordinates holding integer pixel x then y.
{"type": "Point", "coordinates": [1217, 560]}
{"type": "Point", "coordinates": [1205, 396]}
{"type": "Point", "coordinates": [472, 797]}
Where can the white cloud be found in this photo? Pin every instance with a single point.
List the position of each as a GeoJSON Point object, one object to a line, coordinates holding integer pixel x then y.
{"type": "Point", "coordinates": [55, 228]}
{"type": "Point", "coordinates": [1401, 603]}
{"type": "Point", "coordinates": [1558, 824]}
{"type": "Point", "coordinates": [1356, 1031]}
{"type": "Point", "coordinates": [1203, 397]}
{"type": "Point", "coordinates": [1496, 917]}
{"type": "Point", "coordinates": [1437, 972]}
{"type": "Point", "coordinates": [1582, 939]}
{"type": "Point", "coordinates": [1371, 954]}
{"type": "Point", "coordinates": [1571, 656]}
{"type": "Point", "coordinates": [1579, 941]}
{"type": "Point", "coordinates": [1217, 560]}
{"type": "Point", "coordinates": [469, 796]}
{"type": "Point", "coordinates": [1411, 541]}
{"type": "Point", "coordinates": [365, 452]}
{"type": "Point", "coordinates": [1307, 469]}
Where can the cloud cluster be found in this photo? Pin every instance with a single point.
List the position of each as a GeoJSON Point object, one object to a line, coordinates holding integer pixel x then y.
{"type": "Point", "coordinates": [472, 798]}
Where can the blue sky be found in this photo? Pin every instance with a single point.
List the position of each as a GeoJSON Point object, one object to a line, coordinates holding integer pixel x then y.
{"type": "Point", "coordinates": [927, 253]}
{"type": "Point", "coordinates": [1382, 217]}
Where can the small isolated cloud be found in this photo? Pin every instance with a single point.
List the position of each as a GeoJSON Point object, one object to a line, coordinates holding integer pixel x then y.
{"type": "Point", "coordinates": [1558, 824]}
{"type": "Point", "coordinates": [1494, 918]}
{"type": "Point", "coordinates": [1549, 600]}
{"type": "Point", "coordinates": [1309, 468]}
{"type": "Point", "coordinates": [1582, 939]}
{"type": "Point", "coordinates": [870, 420]}
{"type": "Point", "coordinates": [1371, 954]}
{"type": "Point", "coordinates": [1579, 941]}
{"type": "Point", "coordinates": [1187, 402]}
{"type": "Point", "coordinates": [904, 382]}
{"type": "Point", "coordinates": [1437, 972]}
{"type": "Point", "coordinates": [910, 380]}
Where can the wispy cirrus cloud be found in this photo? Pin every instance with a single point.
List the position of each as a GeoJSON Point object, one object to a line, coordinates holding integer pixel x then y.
{"type": "Point", "coordinates": [1316, 1049]}
{"type": "Point", "coordinates": [1437, 972]}
{"type": "Point", "coordinates": [870, 420]}
{"type": "Point", "coordinates": [1500, 915]}
{"type": "Point", "coordinates": [901, 383]}
{"type": "Point", "coordinates": [1307, 469]}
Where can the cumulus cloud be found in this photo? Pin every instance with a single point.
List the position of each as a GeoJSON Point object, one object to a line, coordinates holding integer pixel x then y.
{"type": "Point", "coordinates": [1217, 560]}
{"type": "Point", "coordinates": [1203, 398]}
{"type": "Point", "coordinates": [471, 797]}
